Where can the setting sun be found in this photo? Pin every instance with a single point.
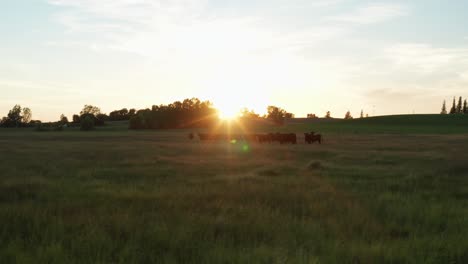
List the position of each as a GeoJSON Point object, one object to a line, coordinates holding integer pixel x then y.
{"type": "Point", "coordinates": [228, 113]}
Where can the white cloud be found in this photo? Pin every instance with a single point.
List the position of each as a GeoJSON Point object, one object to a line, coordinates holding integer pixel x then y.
{"type": "Point", "coordinates": [188, 35]}
{"type": "Point", "coordinates": [193, 28]}
{"type": "Point", "coordinates": [371, 14]}
{"type": "Point", "coordinates": [212, 50]}
{"type": "Point", "coordinates": [426, 59]}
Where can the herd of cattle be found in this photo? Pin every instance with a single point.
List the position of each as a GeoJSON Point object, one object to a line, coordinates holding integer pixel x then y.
{"type": "Point", "coordinates": [282, 138]}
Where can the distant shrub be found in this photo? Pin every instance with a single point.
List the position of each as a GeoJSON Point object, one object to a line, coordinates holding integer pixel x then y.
{"type": "Point", "coordinates": [100, 119]}
{"type": "Point", "coordinates": [58, 128]}
{"type": "Point", "coordinates": [40, 128]}
{"type": "Point", "coordinates": [87, 123]}
{"type": "Point", "coordinates": [137, 122]}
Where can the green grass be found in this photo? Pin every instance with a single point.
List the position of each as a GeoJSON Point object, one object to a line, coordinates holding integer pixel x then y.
{"type": "Point", "coordinates": [119, 196]}
{"type": "Point", "coordinates": [398, 124]}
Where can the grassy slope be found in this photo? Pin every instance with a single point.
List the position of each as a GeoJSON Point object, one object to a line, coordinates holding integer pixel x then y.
{"type": "Point", "coordinates": [125, 196]}
{"type": "Point", "coordinates": [398, 124]}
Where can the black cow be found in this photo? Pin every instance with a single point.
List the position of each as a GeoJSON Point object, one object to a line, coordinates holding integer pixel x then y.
{"type": "Point", "coordinates": [312, 137]}
{"type": "Point", "coordinates": [287, 138]}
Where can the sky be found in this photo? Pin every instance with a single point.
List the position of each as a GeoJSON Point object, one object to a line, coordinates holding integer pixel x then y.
{"type": "Point", "coordinates": [306, 56]}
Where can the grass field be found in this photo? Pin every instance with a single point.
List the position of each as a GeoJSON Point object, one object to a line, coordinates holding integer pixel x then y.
{"type": "Point", "coordinates": [391, 190]}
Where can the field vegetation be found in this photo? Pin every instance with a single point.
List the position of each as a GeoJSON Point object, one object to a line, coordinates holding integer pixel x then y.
{"type": "Point", "coordinates": [379, 190]}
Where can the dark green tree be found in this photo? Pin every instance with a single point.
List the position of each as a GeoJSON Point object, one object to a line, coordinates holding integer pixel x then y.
{"type": "Point", "coordinates": [348, 115]}
{"type": "Point", "coordinates": [76, 119]}
{"type": "Point", "coordinates": [188, 113]}
{"type": "Point", "coordinates": [119, 115]}
{"type": "Point", "coordinates": [277, 115]}
{"type": "Point", "coordinates": [362, 114]}
{"type": "Point", "coordinates": [101, 119]}
{"type": "Point", "coordinates": [27, 115]}
{"type": "Point", "coordinates": [89, 109]}
{"type": "Point", "coordinates": [444, 109]}
{"type": "Point", "coordinates": [465, 107]}
{"type": "Point", "coordinates": [328, 114]}
{"type": "Point", "coordinates": [14, 117]}
{"type": "Point", "coordinates": [15, 114]}
{"type": "Point", "coordinates": [87, 123]}
{"type": "Point", "coordinates": [453, 110]}
{"type": "Point", "coordinates": [136, 122]}
{"type": "Point", "coordinates": [63, 119]}
{"type": "Point", "coordinates": [459, 106]}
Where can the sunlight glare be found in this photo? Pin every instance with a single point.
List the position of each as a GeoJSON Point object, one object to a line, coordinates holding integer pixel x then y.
{"type": "Point", "coordinates": [228, 113]}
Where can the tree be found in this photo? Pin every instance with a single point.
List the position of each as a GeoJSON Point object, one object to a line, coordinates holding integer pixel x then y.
{"type": "Point", "coordinates": [89, 109]}
{"type": "Point", "coordinates": [328, 114]}
{"type": "Point", "coordinates": [188, 113]}
{"type": "Point", "coordinates": [15, 114]}
{"type": "Point", "coordinates": [76, 119]}
{"type": "Point", "coordinates": [277, 114]}
{"type": "Point", "coordinates": [136, 122]}
{"type": "Point", "coordinates": [101, 119]}
{"type": "Point", "coordinates": [465, 107]}
{"type": "Point", "coordinates": [362, 114]}
{"type": "Point", "coordinates": [119, 115]}
{"type": "Point", "coordinates": [444, 109]}
{"type": "Point", "coordinates": [246, 113]}
{"type": "Point", "coordinates": [87, 123]}
{"type": "Point", "coordinates": [14, 117]}
{"type": "Point", "coordinates": [453, 109]}
{"type": "Point", "coordinates": [63, 119]}
{"type": "Point", "coordinates": [459, 106]}
{"type": "Point", "coordinates": [27, 115]}
{"type": "Point", "coordinates": [17, 117]}
{"type": "Point", "coordinates": [348, 115]}
{"type": "Point", "coordinates": [312, 116]}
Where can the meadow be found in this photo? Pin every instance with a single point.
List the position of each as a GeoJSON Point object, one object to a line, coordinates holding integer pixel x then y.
{"type": "Point", "coordinates": [381, 190]}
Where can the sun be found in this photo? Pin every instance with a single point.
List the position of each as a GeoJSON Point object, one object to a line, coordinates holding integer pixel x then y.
{"type": "Point", "coordinates": [228, 113]}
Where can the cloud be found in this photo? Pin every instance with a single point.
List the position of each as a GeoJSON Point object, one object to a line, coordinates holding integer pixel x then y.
{"type": "Point", "coordinates": [426, 59]}
{"type": "Point", "coordinates": [180, 34]}
{"type": "Point", "coordinates": [371, 14]}
{"type": "Point", "coordinates": [195, 28]}
{"type": "Point", "coordinates": [217, 48]}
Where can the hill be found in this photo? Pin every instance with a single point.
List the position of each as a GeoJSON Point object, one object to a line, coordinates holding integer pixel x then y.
{"type": "Point", "coordinates": [405, 124]}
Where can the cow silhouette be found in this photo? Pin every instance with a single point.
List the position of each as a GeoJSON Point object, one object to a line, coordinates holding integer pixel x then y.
{"type": "Point", "coordinates": [282, 138]}
{"type": "Point", "coordinates": [312, 137]}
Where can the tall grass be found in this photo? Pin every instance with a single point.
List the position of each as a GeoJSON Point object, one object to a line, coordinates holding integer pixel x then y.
{"type": "Point", "coordinates": [157, 197]}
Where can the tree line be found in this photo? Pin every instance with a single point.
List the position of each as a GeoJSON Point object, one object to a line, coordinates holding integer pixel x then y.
{"type": "Point", "coordinates": [457, 108]}
{"type": "Point", "coordinates": [347, 116]}
{"type": "Point", "coordinates": [188, 113]}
